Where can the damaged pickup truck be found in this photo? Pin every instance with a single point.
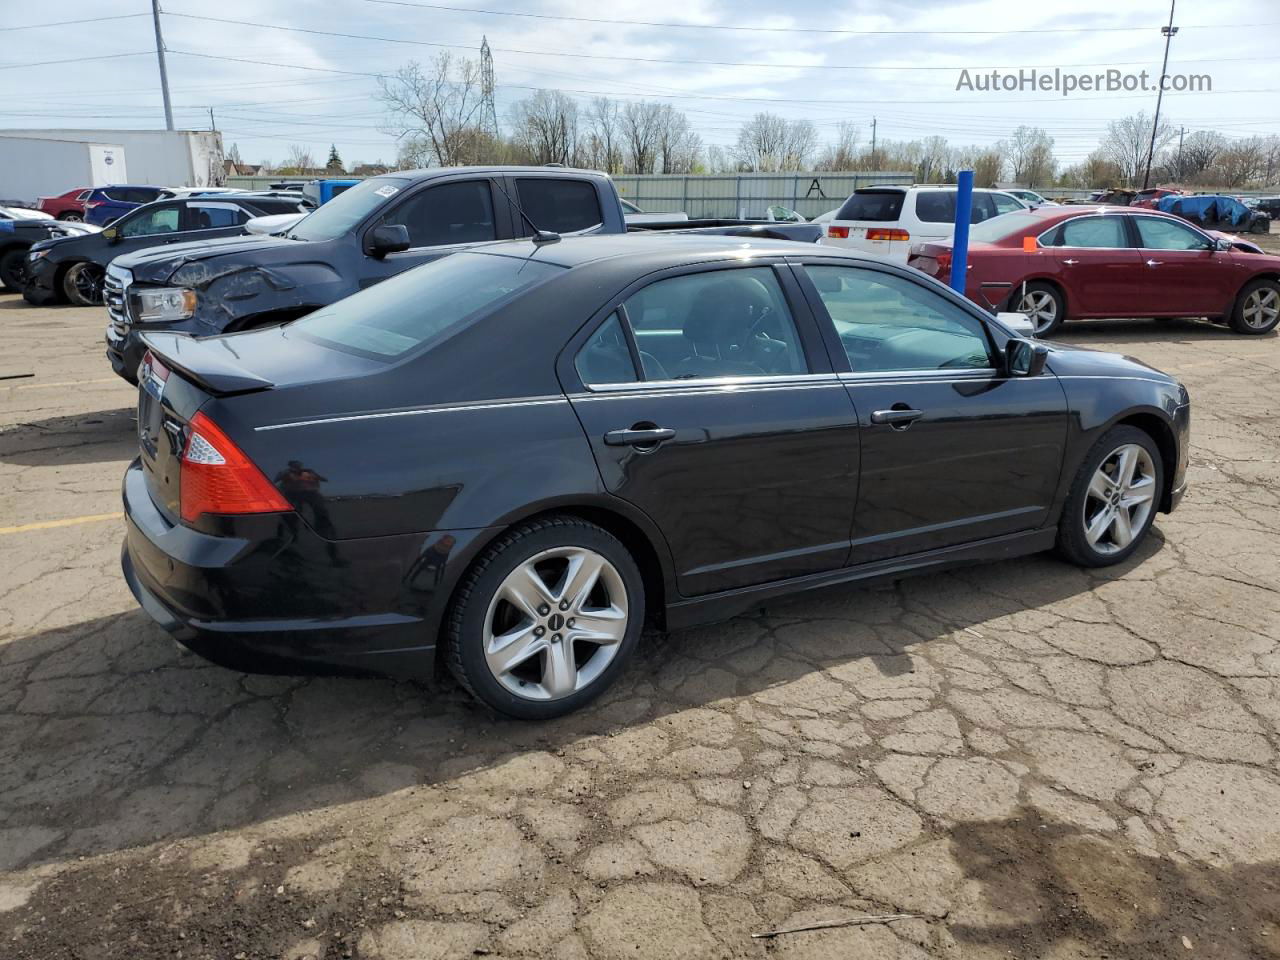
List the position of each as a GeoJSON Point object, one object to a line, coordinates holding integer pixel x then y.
{"type": "Point", "coordinates": [379, 228]}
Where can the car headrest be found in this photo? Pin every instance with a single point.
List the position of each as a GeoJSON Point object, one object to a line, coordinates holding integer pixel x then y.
{"type": "Point", "coordinates": [724, 312]}
{"type": "Point", "coordinates": [827, 281]}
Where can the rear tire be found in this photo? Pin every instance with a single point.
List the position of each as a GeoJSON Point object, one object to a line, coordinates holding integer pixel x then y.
{"type": "Point", "coordinates": [1257, 309]}
{"type": "Point", "coordinates": [71, 217]}
{"type": "Point", "coordinates": [546, 618]}
{"type": "Point", "coordinates": [1113, 499]}
{"type": "Point", "coordinates": [1044, 304]}
{"type": "Point", "coordinates": [13, 269]}
{"type": "Point", "coordinates": [82, 284]}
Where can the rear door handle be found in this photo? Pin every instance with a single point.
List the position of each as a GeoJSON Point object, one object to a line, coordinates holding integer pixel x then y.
{"type": "Point", "coordinates": [1154, 263]}
{"type": "Point", "coordinates": [638, 438]}
{"type": "Point", "coordinates": [1070, 263]}
{"type": "Point", "coordinates": [897, 418]}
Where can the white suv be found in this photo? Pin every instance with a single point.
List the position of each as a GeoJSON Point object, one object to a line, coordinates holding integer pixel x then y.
{"type": "Point", "coordinates": [888, 220]}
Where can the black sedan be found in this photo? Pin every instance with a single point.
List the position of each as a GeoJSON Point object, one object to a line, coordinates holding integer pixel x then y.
{"type": "Point", "coordinates": [507, 460]}
{"type": "Point", "coordinates": [72, 269]}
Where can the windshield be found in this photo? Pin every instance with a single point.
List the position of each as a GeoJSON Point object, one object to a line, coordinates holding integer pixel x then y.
{"type": "Point", "coordinates": [421, 305]}
{"type": "Point", "coordinates": [1005, 225]}
{"type": "Point", "coordinates": [344, 211]}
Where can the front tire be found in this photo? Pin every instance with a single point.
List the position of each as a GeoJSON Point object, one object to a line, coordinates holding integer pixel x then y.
{"type": "Point", "coordinates": [82, 284]}
{"type": "Point", "coordinates": [1257, 309]}
{"type": "Point", "coordinates": [546, 618]}
{"type": "Point", "coordinates": [1044, 304]}
{"type": "Point", "coordinates": [1113, 499]}
{"type": "Point", "coordinates": [71, 217]}
{"type": "Point", "coordinates": [13, 270]}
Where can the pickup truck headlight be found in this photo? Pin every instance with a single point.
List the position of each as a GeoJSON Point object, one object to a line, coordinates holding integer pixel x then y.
{"type": "Point", "coordinates": [164, 303]}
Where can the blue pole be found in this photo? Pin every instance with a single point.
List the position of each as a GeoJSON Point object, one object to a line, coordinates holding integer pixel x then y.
{"type": "Point", "coordinates": [960, 241]}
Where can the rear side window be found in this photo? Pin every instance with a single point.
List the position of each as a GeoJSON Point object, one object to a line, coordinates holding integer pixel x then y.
{"type": "Point", "coordinates": [211, 216]}
{"type": "Point", "coordinates": [120, 195]}
{"type": "Point", "coordinates": [1104, 232]}
{"type": "Point", "coordinates": [561, 206]}
{"type": "Point", "coordinates": [881, 207]}
{"type": "Point", "coordinates": [141, 194]}
{"type": "Point", "coordinates": [450, 213]}
{"type": "Point", "coordinates": [606, 358]}
{"type": "Point", "coordinates": [421, 306]}
{"type": "Point", "coordinates": [939, 206]}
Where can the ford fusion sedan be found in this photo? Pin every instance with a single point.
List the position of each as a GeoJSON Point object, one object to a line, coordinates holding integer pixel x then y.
{"type": "Point", "coordinates": [506, 461]}
{"type": "Point", "coordinates": [1062, 263]}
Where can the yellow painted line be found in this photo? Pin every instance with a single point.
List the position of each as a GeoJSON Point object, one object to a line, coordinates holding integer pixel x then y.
{"type": "Point", "coordinates": [65, 522]}
{"type": "Point", "coordinates": [64, 383]}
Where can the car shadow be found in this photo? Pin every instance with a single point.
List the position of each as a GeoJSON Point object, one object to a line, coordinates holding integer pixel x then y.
{"type": "Point", "coordinates": [98, 437]}
{"type": "Point", "coordinates": [111, 737]}
{"type": "Point", "coordinates": [1181, 330]}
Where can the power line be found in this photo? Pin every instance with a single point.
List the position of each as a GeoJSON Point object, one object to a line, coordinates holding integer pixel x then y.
{"type": "Point", "coordinates": [822, 30]}
{"type": "Point", "coordinates": [613, 58]}
{"type": "Point", "coordinates": [105, 56]}
{"type": "Point", "coordinates": [67, 23]}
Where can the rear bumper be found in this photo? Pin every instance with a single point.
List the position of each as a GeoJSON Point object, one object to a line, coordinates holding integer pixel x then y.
{"type": "Point", "coordinates": [292, 602]}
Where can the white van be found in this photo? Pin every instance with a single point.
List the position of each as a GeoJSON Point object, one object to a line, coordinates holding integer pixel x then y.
{"type": "Point", "coordinates": [888, 220]}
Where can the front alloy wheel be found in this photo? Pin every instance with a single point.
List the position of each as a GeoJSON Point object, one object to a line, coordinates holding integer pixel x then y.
{"type": "Point", "coordinates": [555, 623]}
{"type": "Point", "coordinates": [1120, 498]}
{"type": "Point", "coordinates": [1259, 309]}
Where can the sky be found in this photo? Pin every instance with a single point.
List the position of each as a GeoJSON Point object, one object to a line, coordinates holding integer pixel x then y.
{"type": "Point", "coordinates": [830, 61]}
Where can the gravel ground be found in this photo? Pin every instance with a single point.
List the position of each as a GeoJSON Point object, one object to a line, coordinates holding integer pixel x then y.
{"type": "Point", "coordinates": [1037, 761]}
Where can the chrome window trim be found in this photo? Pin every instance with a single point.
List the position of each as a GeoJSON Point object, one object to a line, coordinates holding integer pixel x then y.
{"type": "Point", "coordinates": [924, 376]}
{"type": "Point", "coordinates": [1178, 223]}
{"type": "Point", "coordinates": [1061, 224]}
{"type": "Point", "coordinates": [604, 391]}
{"type": "Point", "coordinates": [421, 411]}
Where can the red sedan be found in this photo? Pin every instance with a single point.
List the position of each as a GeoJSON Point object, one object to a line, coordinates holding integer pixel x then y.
{"type": "Point", "coordinates": [66, 206]}
{"type": "Point", "coordinates": [1066, 263]}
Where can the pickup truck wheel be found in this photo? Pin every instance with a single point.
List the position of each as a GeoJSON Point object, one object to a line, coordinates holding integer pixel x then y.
{"type": "Point", "coordinates": [13, 269]}
{"type": "Point", "coordinates": [1113, 499]}
{"type": "Point", "coordinates": [1044, 304]}
{"type": "Point", "coordinates": [545, 619]}
{"type": "Point", "coordinates": [1257, 308]}
{"type": "Point", "coordinates": [82, 284]}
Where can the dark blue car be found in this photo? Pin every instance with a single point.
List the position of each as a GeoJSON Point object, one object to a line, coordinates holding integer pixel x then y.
{"type": "Point", "coordinates": [107, 204]}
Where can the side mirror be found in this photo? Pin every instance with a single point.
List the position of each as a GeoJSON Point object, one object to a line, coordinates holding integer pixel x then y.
{"type": "Point", "coordinates": [111, 234]}
{"type": "Point", "coordinates": [388, 238]}
{"type": "Point", "coordinates": [1221, 245]}
{"type": "Point", "coordinates": [1023, 358]}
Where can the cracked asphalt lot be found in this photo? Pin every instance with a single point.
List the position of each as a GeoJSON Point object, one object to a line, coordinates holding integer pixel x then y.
{"type": "Point", "coordinates": [1038, 761]}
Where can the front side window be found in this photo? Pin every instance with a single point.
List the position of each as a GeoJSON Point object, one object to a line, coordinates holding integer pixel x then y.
{"type": "Point", "coordinates": [720, 323]}
{"type": "Point", "coordinates": [1005, 203]}
{"type": "Point", "coordinates": [606, 358]}
{"type": "Point", "coordinates": [561, 206]}
{"type": "Point", "coordinates": [151, 222]}
{"type": "Point", "coordinates": [422, 305]}
{"type": "Point", "coordinates": [1157, 233]}
{"type": "Point", "coordinates": [888, 323]}
{"type": "Point", "coordinates": [450, 213]}
{"type": "Point", "coordinates": [1098, 232]}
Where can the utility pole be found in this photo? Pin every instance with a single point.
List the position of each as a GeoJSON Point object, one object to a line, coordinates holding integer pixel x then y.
{"type": "Point", "coordinates": [1181, 132]}
{"type": "Point", "coordinates": [873, 143]}
{"type": "Point", "coordinates": [164, 74]}
{"type": "Point", "coordinates": [1168, 32]}
{"type": "Point", "coordinates": [212, 126]}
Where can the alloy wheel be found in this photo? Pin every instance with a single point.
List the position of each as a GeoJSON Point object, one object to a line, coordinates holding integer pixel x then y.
{"type": "Point", "coordinates": [1261, 308]}
{"type": "Point", "coordinates": [83, 284]}
{"type": "Point", "coordinates": [1041, 307]}
{"type": "Point", "coordinates": [555, 623]}
{"type": "Point", "coordinates": [1120, 499]}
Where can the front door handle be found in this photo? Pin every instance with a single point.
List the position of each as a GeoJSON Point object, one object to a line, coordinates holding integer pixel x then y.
{"type": "Point", "coordinates": [1154, 263]}
{"type": "Point", "coordinates": [898, 418]}
{"type": "Point", "coordinates": [1070, 263]}
{"type": "Point", "coordinates": [648, 436]}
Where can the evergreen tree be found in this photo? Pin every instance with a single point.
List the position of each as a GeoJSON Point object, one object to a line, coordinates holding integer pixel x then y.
{"type": "Point", "coordinates": [335, 161]}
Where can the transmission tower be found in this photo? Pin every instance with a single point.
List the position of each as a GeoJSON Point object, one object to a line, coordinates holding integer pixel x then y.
{"type": "Point", "coordinates": [488, 112]}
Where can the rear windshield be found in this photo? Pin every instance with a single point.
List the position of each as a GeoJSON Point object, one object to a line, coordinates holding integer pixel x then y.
{"type": "Point", "coordinates": [422, 305]}
{"type": "Point", "coordinates": [885, 206]}
{"type": "Point", "coordinates": [343, 212]}
{"type": "Point", "coordinates": [1006, 225]}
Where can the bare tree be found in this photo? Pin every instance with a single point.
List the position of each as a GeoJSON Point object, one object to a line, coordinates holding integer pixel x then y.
{"type": "Point", "coordinates": [932, 163]}
{"type": "Point", "coordinates": [604, 126]}
{"type": "Point", "coordinates": [1031, 159]}
{"type": "Point", "coordinates": [435, 111]}
{"type": "Point", "coordinates": [1199, 151]}
{"type": "Point", "coordinates": [768, 142]}
{"type": "Point", "coordinates": [640, 134]}
{"type": "Point", "coordinates": [546, 125]}
{"type": "Point", "coordinates": [299, 158]}
{"type": "Point", "coordinates": [1128, 140]}
{"type": "Point", "coordinates": [720, 160]}
{"type": "Point", "coordinates": [842, 152]}
{"type": "Point", "coordinates": [1272, 160]}
{"type": "Point", "coordinates": [678, 147]}
{"type": "Point", "coordinates": [1241, 162]}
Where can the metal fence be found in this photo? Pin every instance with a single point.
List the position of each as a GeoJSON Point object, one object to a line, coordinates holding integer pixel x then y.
{"type": "Point", "coordinates": [747, 194]}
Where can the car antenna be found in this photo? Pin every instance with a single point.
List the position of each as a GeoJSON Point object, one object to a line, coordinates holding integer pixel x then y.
{"type": "Point", "coordinates": [539, 236]}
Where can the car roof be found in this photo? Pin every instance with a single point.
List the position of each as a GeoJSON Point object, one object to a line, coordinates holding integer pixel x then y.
{"type": "Point", "coordinates": [899, 188]}
{"type": "Point", "coordinates": [493, 171]}
{"type": "Point", "coordinates": [662, 249]}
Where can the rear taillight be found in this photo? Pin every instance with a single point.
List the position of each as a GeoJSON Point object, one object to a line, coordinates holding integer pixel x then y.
{"type": "Point", "coordinates": [840, 233]}
{"type": "Point", "coordinates": [944, 262]}
{"type": "Point", "coordinates": [887, 233]}
{"type": "Point", "coordinates": [218, 478]}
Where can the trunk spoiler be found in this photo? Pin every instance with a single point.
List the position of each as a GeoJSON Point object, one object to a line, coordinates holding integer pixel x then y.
{"type": "Point", "coordinates": [211, 363]}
